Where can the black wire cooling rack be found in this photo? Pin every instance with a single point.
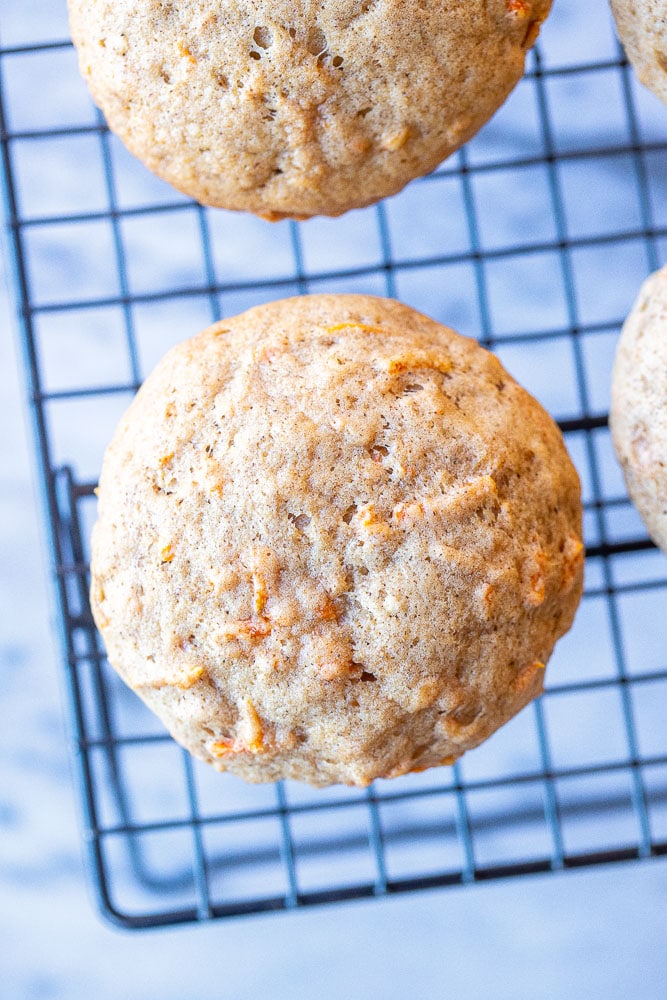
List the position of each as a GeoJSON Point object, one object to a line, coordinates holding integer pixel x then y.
{"type": "Point", "coordinates": [534, 238]}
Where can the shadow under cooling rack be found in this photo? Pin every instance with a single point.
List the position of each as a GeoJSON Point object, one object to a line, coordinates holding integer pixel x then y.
{"type": "Point", "coordinates": [535, 239]}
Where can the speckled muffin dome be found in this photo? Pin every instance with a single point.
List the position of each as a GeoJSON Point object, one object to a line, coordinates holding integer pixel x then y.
{"type": "Point", "coordinates": [301, 108]}
{"type": "Point", "coordinates": [638, 417]}
{"type": "Point", "coordinates": [642, 28]}
{"type": "Point", "coordinates": [336, 541]}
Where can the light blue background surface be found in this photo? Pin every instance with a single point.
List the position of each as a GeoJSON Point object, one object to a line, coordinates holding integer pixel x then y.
{"type": "Point", "coordinates": [598, 933]}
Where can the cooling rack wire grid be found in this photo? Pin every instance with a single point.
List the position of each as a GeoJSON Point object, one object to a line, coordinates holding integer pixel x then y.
{"type": "Point", "coordinates": [534, 238]}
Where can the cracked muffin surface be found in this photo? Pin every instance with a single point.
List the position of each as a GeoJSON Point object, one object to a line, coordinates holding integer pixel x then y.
{"type": "Point", "coordinates": [301, 109]}
{"type": "Point", "coordinates": [336, 541]}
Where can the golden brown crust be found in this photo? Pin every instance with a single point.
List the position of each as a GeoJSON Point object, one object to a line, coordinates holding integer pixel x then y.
{"type": "Point", "coordinates": [300, 109]}
{"type": "Point", "coordinates": [638, 417]}
{"type": "Point", "coordinates": [336, 541]}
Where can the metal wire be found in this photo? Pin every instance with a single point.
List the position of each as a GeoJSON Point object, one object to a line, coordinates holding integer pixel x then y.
{"type": "Point", "coordinates": [580, 777]}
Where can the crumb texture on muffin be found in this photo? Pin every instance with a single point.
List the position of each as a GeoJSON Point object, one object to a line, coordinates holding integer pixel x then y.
{"type": "Point", "coordinates": [642, 29]}
{"type": "Point", "coordinates": [336, 541]}
{"type": "Point", "coordinates": [304, 108]}
{"type": "Point", "coordinates": [638, 417]}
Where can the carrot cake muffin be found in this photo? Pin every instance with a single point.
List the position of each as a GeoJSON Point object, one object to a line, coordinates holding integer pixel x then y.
{"type": "Point", "coordinates": [638, 417]}
{"type": "Point", "coordinates": [642, 29]}
{"type": "Point", "coordinates": [311, 110]}
{"type": "Point", "coordinates": [336, 542]}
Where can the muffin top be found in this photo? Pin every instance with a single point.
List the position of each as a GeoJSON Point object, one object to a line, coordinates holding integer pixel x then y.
{"type": "Point", "coordinates": [638, 417]}
{"type": "Point", "coordinates": [642, 28]}
{"type": "Point", "coordinates": [312, 109]}
{"type": "Point", "coordinates": [336, 541]}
